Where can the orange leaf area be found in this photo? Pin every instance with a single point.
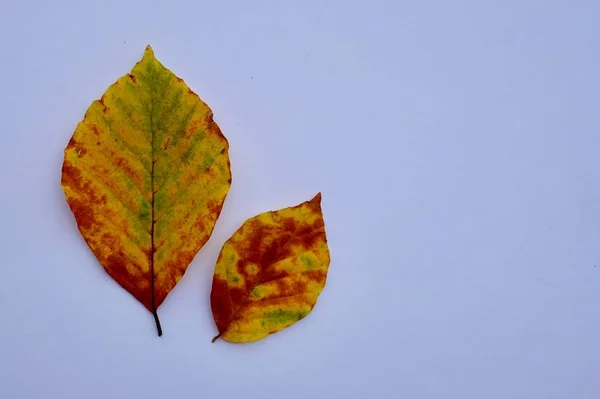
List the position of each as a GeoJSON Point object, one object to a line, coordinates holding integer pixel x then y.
{"type": "Point", "coordinates": [270, 272]}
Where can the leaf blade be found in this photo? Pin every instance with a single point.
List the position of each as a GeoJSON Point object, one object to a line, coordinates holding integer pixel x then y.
{"type": "Point", "coordinates": [270, 273]}
{"type": "Point", "coordinates": [129, 145]}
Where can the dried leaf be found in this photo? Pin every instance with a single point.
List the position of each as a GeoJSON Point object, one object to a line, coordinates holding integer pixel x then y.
{"type": "Point", "coordinates": [270, 272]}
{"type": "Point", "coordinates": [145, 174]}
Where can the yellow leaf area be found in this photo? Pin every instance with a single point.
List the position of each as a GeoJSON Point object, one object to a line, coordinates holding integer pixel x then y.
{"type": "Point", "coordinates": [270, 272]}
{"type": "Point", "coordinates": [145, 174]}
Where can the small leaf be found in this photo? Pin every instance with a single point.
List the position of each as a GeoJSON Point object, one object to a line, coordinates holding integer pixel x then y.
{"type": "Point", "coordinates": [270, 272]}
{"type": "Point", "coordinates": [145, 174]}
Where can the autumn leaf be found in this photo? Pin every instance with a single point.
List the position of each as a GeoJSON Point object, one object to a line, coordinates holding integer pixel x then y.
{"type": "Point", "coordinates": [145, 174]}
{"type": "Point", "coordinates": [270, 272]}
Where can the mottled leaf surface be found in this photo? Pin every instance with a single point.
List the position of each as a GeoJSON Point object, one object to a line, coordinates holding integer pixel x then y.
{"type": "Point", "coordinates": [145, 174]}
{"type": "Point", "coordinates": [270, 273]}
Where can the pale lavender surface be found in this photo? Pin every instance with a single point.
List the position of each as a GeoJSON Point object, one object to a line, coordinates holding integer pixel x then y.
{"type": "Point", "coordinates": [456, 144]}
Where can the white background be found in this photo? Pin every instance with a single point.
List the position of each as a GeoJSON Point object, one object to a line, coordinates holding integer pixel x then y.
{"type": "Point", "coordinates": [457, 147]}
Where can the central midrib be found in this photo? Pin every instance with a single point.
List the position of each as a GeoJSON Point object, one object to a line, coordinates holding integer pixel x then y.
{"type": "Point", "coordinates": [154, 311]}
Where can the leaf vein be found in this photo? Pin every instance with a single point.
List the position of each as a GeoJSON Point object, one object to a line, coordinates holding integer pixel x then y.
{"type": "Point", "coordinates": [115, 196]}
{"type": "Point", "coordinates": [184, 189]}
{"type": "Point", "coordinates": [135, 155]}
{"type": "Point", "coordinates": [134, 125]}
{"type": "Point", "coordinates": [117, 167]}
{"type": "Point", "coordinates": [203, 202]}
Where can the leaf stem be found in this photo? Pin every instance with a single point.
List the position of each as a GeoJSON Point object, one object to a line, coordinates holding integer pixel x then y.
{"type": "Point", "coordinates": [157, 321]}
{"type": "Point", "coordinates": [216, 338]}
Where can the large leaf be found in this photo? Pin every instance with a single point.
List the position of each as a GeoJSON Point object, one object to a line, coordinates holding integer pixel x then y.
{"type": "Point", "coordinates": [145, 174]}
{"type": "Point", "coordinates": [270, 272]}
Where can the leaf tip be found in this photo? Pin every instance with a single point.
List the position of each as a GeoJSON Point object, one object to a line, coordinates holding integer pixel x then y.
{"type": "Point", "coordinates": [316, 199]}
{"type": "Point", "coordinates": [149, 52]}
